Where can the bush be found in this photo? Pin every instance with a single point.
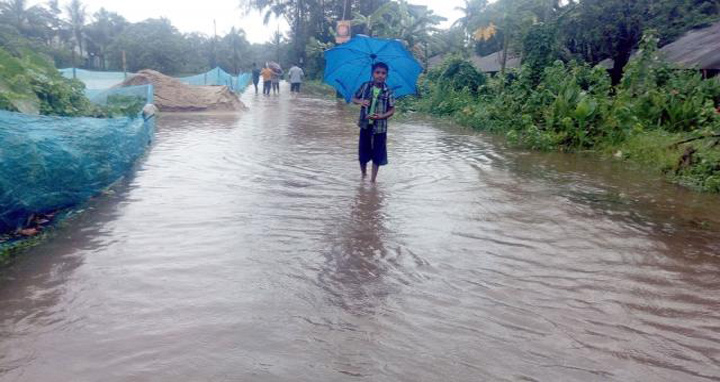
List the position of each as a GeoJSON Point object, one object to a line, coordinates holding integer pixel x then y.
{"type": "Point", "coordinates": [573, 106]}
{"type": "Point", "coordinates": [457, 74]}
{"type": "Point", "coordinates": [34, 86]}
{"type": "Point", "coordinates": [662, 97]}
{"type": "Point", "coordinates": [31, 84]}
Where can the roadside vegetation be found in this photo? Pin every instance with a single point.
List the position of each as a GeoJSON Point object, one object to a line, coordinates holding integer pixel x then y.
{"type": "Point", "coordinates": [659, 116]}
{"type": "Point", "coordinates": [30, 83]}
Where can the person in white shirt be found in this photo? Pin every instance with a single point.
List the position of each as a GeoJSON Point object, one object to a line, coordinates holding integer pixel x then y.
{"type": "Point", "coordinates": [295, 76]}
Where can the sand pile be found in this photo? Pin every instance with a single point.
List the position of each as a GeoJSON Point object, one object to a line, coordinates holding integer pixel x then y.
{"type": "Point", "coordinates": [175, 96]}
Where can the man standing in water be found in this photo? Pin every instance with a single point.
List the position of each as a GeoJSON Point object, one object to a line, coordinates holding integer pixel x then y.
{"type": "Point", "coordinates": [295, 76]}
{"type": "Point", "coordinates": [255, 76]}
{"type": "Point", "coordinates": [267, 78]}
{"type": "Point", "coordinates": [378, 104]}
{"type": "Point", "coordinates": [276, 74]}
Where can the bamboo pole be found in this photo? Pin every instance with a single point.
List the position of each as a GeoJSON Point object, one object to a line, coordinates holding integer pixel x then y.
{"type": "Point", "coordinates": [124, 63]}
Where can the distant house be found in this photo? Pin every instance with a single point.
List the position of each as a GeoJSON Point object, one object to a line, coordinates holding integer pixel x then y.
{"type": "Point", "coordinates": [489, 64]}
{"type": "Point", "coordinates": [697, 49]}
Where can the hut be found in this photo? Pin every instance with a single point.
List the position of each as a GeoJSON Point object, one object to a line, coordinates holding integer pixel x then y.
{"type": "Point", "coordinates": [489, 64]}
{"type": "Point", "coordinates": [697, 49]}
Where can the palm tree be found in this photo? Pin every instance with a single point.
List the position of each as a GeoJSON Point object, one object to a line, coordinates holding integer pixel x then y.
{"type": "Point", "coordinates": [16, 11]}
{"type": "Point", "coordinates": [470, 11]}
{"type": "Point", "coordinates": [78, 13]}
{"type": "Point", "coordinates": [377, 20]}
{"type": "Point", "coordinates": [277, 41]}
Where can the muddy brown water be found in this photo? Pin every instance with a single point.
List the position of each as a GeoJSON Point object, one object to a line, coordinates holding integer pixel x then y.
{"type": "Point", "coordinates": [246, 248]}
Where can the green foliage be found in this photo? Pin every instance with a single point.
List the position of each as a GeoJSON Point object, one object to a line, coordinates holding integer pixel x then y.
{"type": "Point", "coordinates": [657, 95]}
{"type": "Point", "coordinates": [540, 49]}
{"type": "Point", "coordinates": [573, 107]}
{"type": "Point", "coordinates": [123, 106]}
{"type": "Point", "coordinates": [153, 43]}
{"type": "Point", "coordinates": [458, 74]}
{"type": "Point", "coordinates": [31, 84]}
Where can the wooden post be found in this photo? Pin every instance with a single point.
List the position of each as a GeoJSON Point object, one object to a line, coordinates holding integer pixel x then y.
{"type": "Point", "coordinates": [124, 62]}
{"type": "Point", "coordinates": [73, 64]}
{"type": "Point", "coordinates": [215, 59]}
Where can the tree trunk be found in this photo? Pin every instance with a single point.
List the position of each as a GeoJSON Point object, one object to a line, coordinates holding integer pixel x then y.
{"type": "Point", "coordinates": [503, 62]}
{"type": "Point", "coordinates": [506, 41]}
{"type": "Point", "coordinates": [621, 58]}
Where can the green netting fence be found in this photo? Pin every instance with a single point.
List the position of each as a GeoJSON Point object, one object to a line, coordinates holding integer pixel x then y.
{"type": "Point", "coordinates": [50, 163]}
{"type": "Point", "coordinates": [103, 80]}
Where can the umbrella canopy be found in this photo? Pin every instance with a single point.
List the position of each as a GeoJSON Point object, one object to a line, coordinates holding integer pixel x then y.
{"type": "Point", "coordinates": [274, 66]}
{"type": "Point", "coordinates": [348, 65]}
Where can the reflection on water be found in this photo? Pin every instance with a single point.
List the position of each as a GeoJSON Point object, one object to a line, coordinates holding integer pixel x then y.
{"type": "Point", "coordinates": [357, 257]}
{"type": "Point", "coordinates": [247, 248]}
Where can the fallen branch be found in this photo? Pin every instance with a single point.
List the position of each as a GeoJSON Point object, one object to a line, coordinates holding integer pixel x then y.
{"type": "Point", "coordinates": [675, 145]}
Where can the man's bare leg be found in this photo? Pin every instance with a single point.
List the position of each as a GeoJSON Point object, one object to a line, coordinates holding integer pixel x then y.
{"type": "Point", "coordinates": [375, 170]}
{"type": "Point", "coordinates": [363, 170]}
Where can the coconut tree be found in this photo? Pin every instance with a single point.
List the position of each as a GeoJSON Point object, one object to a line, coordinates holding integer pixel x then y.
{"type": "Point", "coordinates": [15, 12]}
{"type": "Point", "coordinates": [77, 16]}
{"type": "Point", "coordinates": [470, 11]}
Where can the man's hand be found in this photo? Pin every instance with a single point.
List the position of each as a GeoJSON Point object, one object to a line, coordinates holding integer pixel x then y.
{"type": "Point", "coordinates": [362, 102]}
{"type": "Point", "coordinates": [374, 116]}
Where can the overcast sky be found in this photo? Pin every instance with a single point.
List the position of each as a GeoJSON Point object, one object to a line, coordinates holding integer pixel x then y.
{"type": "Point", "coordinates": [198, 16]}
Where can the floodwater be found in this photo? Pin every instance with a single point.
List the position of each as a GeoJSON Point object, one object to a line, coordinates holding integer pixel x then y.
{"type": "Point", "coordinates": [247, 248]}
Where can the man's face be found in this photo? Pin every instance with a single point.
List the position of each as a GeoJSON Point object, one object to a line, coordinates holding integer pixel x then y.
{"type": "Point", "coordinates": [379, 75]}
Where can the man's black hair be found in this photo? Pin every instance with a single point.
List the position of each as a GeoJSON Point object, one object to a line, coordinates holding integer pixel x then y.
{"type": "Point", "coordinates": [380, 65]}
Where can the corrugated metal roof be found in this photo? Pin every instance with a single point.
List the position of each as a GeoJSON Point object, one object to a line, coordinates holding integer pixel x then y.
{"type": "Point", "coordinates": [491, 63]}
{"type": "Point", "coordinates": [487, 64]}
{"type": "Point", "coordinates": [696, 49]}
{"type": "Point", "coordinates": [699, 48]}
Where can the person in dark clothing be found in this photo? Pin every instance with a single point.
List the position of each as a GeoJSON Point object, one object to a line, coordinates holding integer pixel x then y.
{"type": "Point", "coordinates": [255, 76]}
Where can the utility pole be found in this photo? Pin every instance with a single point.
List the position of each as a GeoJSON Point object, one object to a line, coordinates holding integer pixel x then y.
{"type": "Point", "coordinates": [235, 55]}
{"type": "Point", "coordinates": [73, 64]}
{"type": "Point", "coordinates": [214, 45]}
{"type": "Point", "coordinates": [277, 40]}
{"type": "Point", "coordinates": [124, 62]}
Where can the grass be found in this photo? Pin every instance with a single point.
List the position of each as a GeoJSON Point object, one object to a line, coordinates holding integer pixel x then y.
{"type": "Point", "coordinates": [317, 88]}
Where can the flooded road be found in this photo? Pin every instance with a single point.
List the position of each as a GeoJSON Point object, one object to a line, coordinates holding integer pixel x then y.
{"type": "Point", "coordinates": [246, 248]}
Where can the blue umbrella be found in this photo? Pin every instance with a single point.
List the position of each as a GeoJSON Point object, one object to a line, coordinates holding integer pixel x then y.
{"type": "Point", "coordinates": [348, 65]}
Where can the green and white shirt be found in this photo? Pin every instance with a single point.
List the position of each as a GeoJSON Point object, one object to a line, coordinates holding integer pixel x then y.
{"type": "Point", "coordinates": [381, 100]}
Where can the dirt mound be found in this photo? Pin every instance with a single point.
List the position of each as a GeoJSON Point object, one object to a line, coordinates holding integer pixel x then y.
{"type": "Point", "coordinates": [175, 96]}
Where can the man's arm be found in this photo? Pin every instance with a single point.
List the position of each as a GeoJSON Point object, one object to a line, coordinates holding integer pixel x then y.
{"type": "Point", "coordinates": [357, 97]}
{"type": "Point", "coordinates": [386, 115]}
{"type": "Point", "coordinates": [360, 101]}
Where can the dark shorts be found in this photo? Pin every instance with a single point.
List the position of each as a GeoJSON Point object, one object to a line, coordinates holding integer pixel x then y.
{"type": "Point", "coordinates": [295, 87]}
{"type": "Point", "coordinates": [372, 147]}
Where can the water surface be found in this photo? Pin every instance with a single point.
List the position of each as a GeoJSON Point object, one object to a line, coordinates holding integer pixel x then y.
{"type": "Point", "coordinates": [247, 248]}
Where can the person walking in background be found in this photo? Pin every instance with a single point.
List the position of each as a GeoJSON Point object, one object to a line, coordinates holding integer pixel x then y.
{"type": "Point", "coordinates": [295, 76]}
{"type": "Point", "coordinates": [276, 75]}
{"type": "Point", "coordinates": [255, 76]}
{"type": "Point", "coordinates": [266, 74]}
